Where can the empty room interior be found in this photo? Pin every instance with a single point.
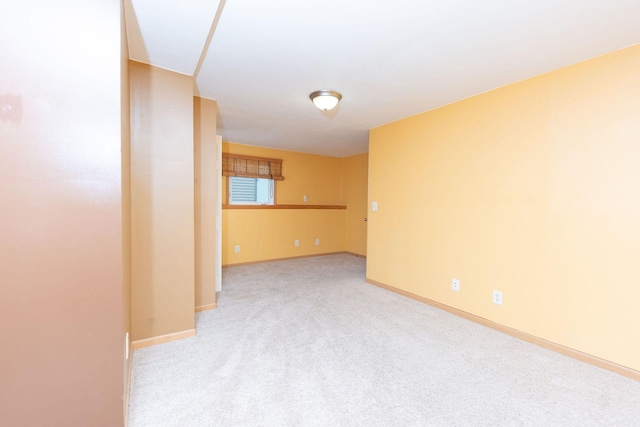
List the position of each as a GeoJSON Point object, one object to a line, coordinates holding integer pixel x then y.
{"type": "Point", "coordinates": [288, 213]}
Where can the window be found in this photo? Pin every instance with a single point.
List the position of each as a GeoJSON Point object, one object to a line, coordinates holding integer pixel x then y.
{"type": "Point", "coordinates": [251, 179]}
{"type": "Point", "coordinates": [250, 191]}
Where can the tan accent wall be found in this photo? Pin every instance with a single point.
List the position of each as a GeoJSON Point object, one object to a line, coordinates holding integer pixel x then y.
{"type": "Point", "coordinates": [162, 197]}
{"type": "Point", "coordinates": [206, 200]}
{"type": "Point", "coordinates": [530, 189]}
{"type": "Point", "coordinates": [61, 249]}
{"type": "Point", "coordinates": [354, 178]}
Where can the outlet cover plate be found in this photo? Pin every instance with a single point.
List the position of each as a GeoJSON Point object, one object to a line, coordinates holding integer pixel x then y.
{"type": "Point", "coordinates": [455, 285]}
{"type": "Point", "coordinates": [497, 297]}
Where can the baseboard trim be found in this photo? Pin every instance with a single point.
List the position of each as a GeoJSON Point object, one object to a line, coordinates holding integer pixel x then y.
{"type": "Point", "coordinates": [161, 339]}
{"type": "Point", "coordinates": [239, 264]}
{"type": "Point", "coordinates": [206, 307]}
{"type": "Point", "coordinates": [558, 348]}
{"type": "Point", "coordinates": [355, 254]}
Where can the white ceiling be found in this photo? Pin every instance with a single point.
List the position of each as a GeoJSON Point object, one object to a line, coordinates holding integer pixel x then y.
{"type": "Point", "coordinates": [388, 59]}
{"type": "Point", "coordinates": [168, 33]}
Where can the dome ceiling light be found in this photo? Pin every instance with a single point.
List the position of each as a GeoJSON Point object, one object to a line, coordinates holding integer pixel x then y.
{"type": "Point", "coordinates": [325, 100]}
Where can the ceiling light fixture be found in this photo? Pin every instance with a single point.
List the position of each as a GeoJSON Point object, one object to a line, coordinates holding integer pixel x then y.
{"type": "Point", "coordinates": [325, 99]}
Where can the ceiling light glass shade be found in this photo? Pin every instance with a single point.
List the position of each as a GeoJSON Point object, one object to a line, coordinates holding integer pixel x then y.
{"type": "Point", "coordinates": [325, 99]}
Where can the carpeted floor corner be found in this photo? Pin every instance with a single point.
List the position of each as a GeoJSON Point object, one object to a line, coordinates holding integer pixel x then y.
{"type": "Point", "coordinates": [308, 343]}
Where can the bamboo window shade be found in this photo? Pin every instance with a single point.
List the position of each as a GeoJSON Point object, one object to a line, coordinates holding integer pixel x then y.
{"type": "Point", "coordinates": [251, 167]}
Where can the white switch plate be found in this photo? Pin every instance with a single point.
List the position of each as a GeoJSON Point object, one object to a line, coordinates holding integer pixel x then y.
{"type": "Point", "coordinates": [317, 242]}
{"type": "Point", "coordinates": [455, 285]}
{"type": "Point", "coordinates": [305, 198]}
{"type": "Point", "coordinates": [237, 249]}
{"type": "Point", "coordinates": [374, 206]}
{"type": "Point", "coordinates": [497, 297]}
{"type": "Point", "coordinates": [297, 242]}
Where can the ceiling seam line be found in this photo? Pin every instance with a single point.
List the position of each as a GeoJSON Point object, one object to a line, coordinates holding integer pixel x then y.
{"type": "Point", "coordinates": [212, 30]}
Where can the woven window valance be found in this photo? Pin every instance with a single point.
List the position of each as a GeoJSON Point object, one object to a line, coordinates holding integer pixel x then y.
{"type": "Point", "coordinates": [251, 167]}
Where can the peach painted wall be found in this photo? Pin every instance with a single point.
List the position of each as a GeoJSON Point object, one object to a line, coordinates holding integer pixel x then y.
{"type": "Point", "coordinates": [126, 203]}
{"type": "Point", "coordinates": [162, 198]}
{"type": "Point", "coordinates": [270, 234]}
{"type": "Point", "coordinates": [206, 199]}
{"type": "Point", "coordinates": [61, 249]}
{"type": "Point", "coordinates": [531, 189]}
{"type": "Point", "coordinates": [354, 171]}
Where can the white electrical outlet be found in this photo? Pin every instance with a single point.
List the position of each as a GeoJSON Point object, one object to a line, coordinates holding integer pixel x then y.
{"type": "Point", "coordinates": [297, 242]}
{"type": "Point", "coordinates": [497, 297]}
{"type": "Point", "coordinates": [374, 206]}
{"type": "Point", "coordinates": [237, 249]}
{"type": "Point", "coordinates": [455, 285]}
{"type": "Point", "coordinates": [305, 198]}
{"type": "Point", "coordinates": [317, 242]}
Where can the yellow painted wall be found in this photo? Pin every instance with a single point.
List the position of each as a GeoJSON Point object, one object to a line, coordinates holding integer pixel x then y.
{"type": "Point", "coordinates": [270, 234]}
{"type": "Point", "coordinates": [316, 176]}
{"type": "Point", "coordinates": [206, 199]}
{"type": "Point", "coordinates": [354, 196]}
{"type": "Point", "coordinates": [162, 201]}
{"type": "Point", "coordinates": [531, 189]}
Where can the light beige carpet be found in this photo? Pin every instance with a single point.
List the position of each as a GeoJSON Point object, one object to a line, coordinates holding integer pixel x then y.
{"type": "Point", "coordinates": [308, 343]}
